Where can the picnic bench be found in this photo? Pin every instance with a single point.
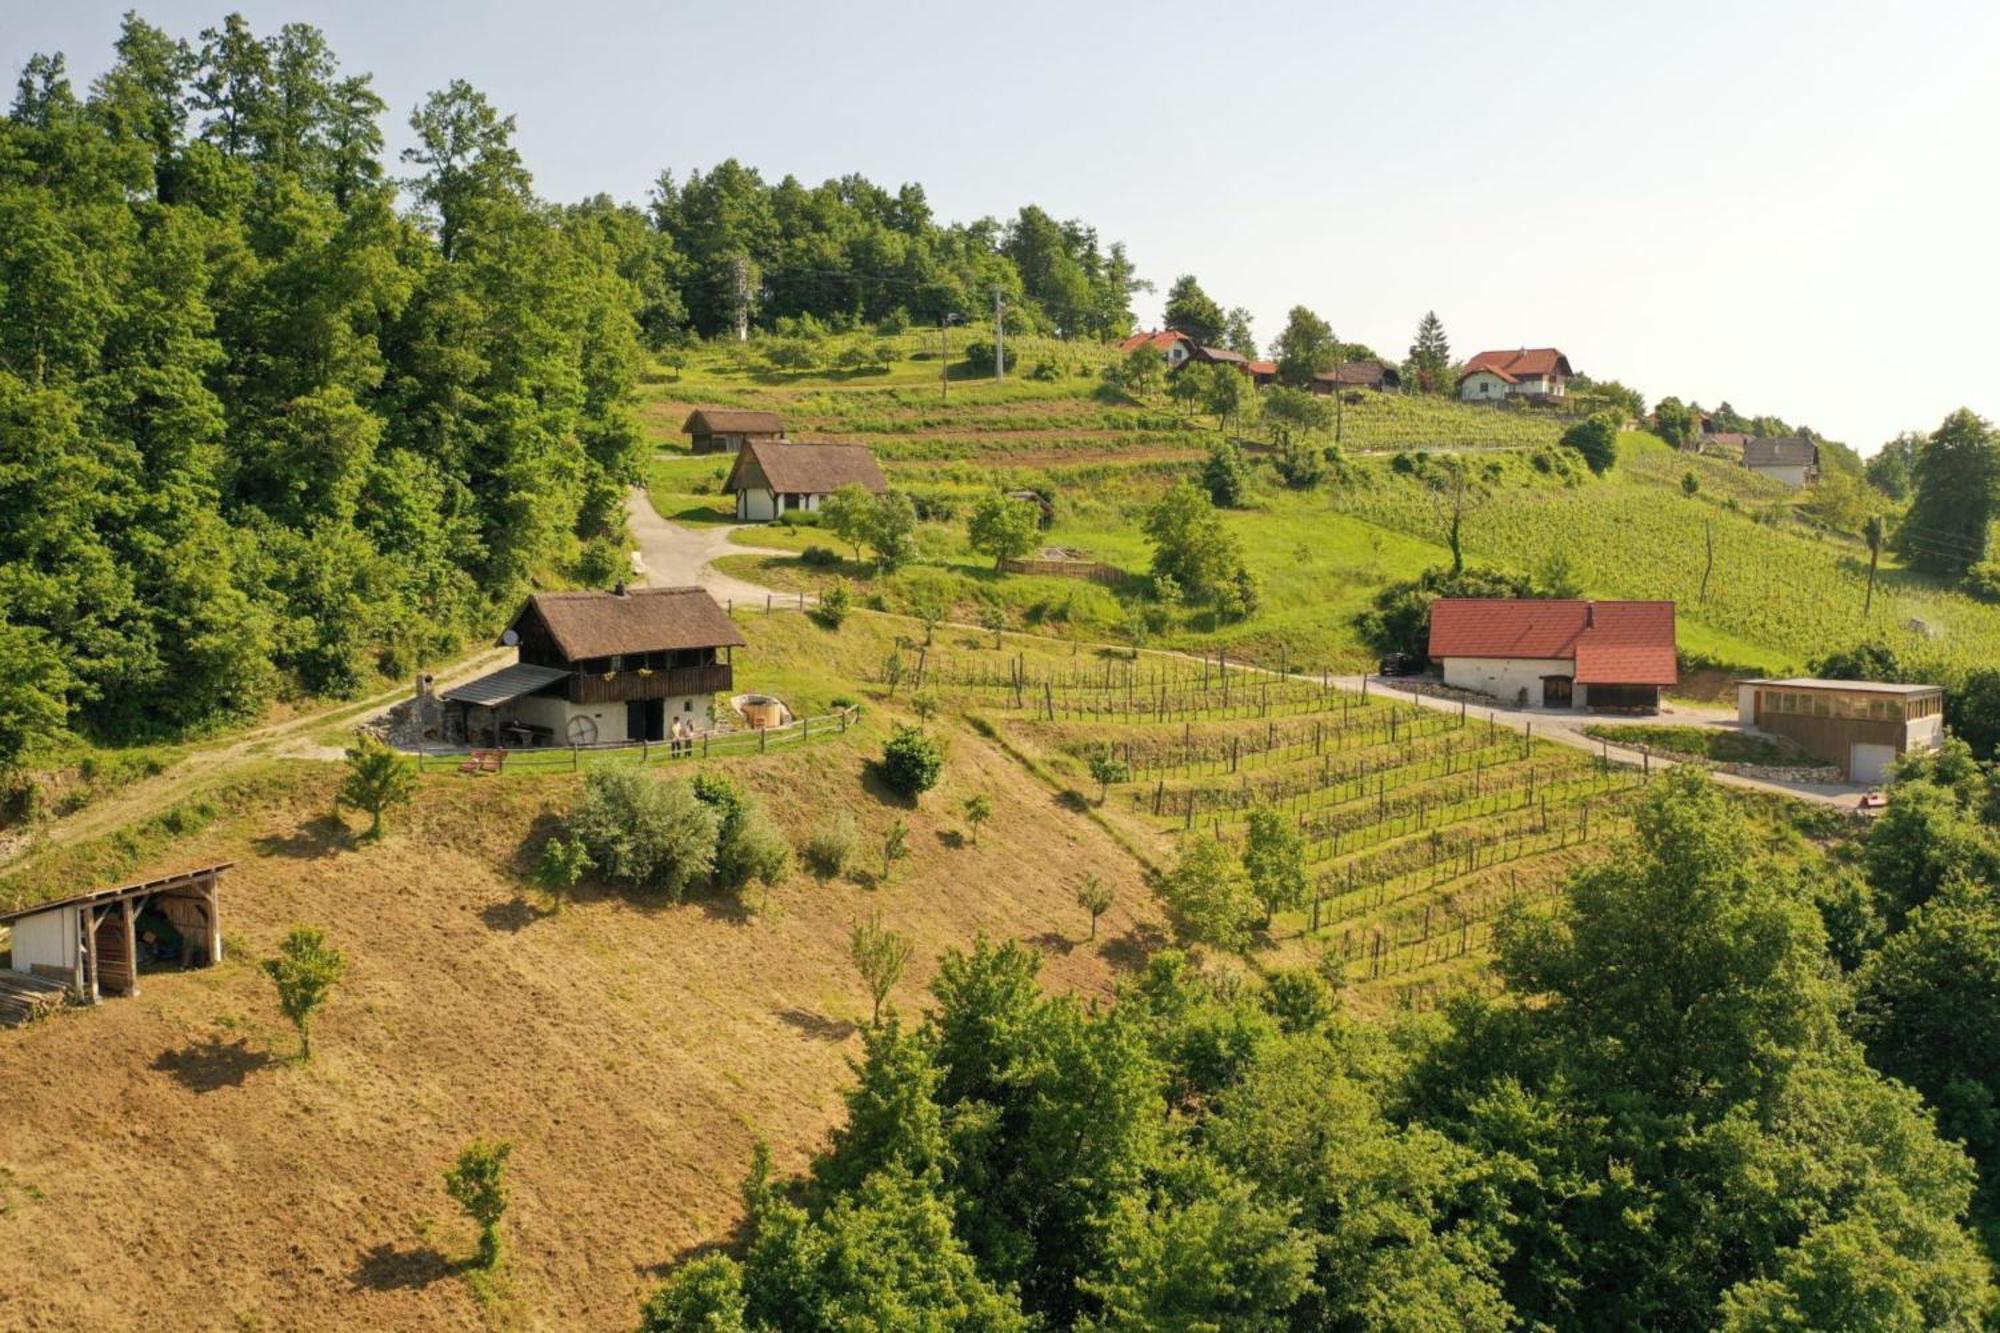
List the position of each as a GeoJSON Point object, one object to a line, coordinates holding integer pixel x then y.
{"type": "Point", "coordinates": [484, 761]}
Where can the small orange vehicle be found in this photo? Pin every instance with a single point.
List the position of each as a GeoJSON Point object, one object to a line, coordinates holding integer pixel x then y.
{"type": "Point", "coordinates": [1874, 799]}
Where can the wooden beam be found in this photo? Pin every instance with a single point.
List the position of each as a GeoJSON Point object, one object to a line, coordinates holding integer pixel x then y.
{"type": "Point", "coordinates": [131, 946]}
{"type": "Point", "coordinates": [215, 918]}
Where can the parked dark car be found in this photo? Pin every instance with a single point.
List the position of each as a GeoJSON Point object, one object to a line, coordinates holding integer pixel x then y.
{"type": "Point", "coordinates": [1399, 664]}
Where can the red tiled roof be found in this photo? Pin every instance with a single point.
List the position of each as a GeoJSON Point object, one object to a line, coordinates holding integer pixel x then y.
{"type": "Point", "coordinates": [1612, 643]}
{"type": "Point", "coordinates": [1164, 339]}
{"type": "Point", "coordinates": [1263, 367]}
{"type": "Point", "coordinates": [1522, 363]}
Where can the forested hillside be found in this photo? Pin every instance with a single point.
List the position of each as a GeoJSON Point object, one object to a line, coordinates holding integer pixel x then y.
{"type": "Point", "coordinates": [274, 419]}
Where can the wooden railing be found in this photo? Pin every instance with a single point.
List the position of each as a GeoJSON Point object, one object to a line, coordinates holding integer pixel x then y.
{"type": "Point", "coordinates": [658, 683]}
{"type": "Point", "coordinates": [714, 744]}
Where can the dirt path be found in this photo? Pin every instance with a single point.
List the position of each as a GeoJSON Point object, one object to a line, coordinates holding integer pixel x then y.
{"type": "Point", "coordinates": [293, 738]}
{"type": "Point", "coordinates": [672, 556]}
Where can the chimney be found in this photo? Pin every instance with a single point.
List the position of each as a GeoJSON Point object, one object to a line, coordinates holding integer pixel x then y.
{"type": "Point", "coordinates": [1590, 615]}
{"type": "Point", "coordinates": [618, 589]}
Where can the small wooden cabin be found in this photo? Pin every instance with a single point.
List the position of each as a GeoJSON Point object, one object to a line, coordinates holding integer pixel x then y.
{"type": "Point", "coordinates": [598, 667]}
{"type": "Point", "coordinates": [725, 430]}
{"type": "Point", "coordinates": [784, 477]}
{"type": "Point", "coordinates": [101, 942]}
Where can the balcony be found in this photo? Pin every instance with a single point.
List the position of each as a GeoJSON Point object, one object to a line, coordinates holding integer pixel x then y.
{"type": "Point", "coordinates": [659, 683]}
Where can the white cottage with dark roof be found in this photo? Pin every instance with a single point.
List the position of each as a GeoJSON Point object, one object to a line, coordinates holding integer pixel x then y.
{"type": "Point", "coordinates": [598, 667]}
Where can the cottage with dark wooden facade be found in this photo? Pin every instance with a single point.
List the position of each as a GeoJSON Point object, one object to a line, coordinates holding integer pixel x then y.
{"type": "Point", "coordinates": [601, 667]}
{"type": "Point", "coordinates": [1371, 374]}
{"type": "Point", "coordinates": [725, 430]}
{"type": "Point", "coordinates": [785, 477]}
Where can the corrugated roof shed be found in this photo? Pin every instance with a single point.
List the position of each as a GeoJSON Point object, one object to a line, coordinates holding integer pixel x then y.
{"type": "Point", "coordinates": [505, 685]}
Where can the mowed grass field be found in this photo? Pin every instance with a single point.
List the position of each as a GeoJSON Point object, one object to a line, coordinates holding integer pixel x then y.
{"type": "Point", "coordinates": [1779, 591]}
{"type": "Point", "coordinates": [164, 1164]}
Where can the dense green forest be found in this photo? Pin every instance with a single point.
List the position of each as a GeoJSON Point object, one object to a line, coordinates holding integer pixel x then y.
{"type": "Point", "coordinates": [1683, 1112]}
{"type": "Point", "coordinates": [265, 430]}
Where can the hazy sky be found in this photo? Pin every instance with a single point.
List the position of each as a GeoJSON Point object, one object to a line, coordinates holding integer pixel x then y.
{"type": "Point", "coordinates": [1788, 205]}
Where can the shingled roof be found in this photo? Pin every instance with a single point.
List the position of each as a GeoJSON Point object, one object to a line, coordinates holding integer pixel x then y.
{"type": "Point", "coordinates": [1367, 374]}
{"type": "Point", "coordinates": [1612, 643]}
{"type": "Point", "coordinates": [1781, 451]}
{"type": "Point", "coordinates": [1163, 339]}
{"type": "Point", "coordinates": [793, 468]}
{"type": "Point", "coordinates": [1523, 363]}
{"type": "Point", "coordinates": [639, 620]}
{"type": "Point", "coordinates": [732, 421]}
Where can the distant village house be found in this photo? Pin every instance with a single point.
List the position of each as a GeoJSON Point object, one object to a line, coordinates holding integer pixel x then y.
{"type": "Point", "coordinates": [1557, 653]}
{"type": "Point", "coordinates": [599, 667]}
{"type": "Point", "coordinates": [1373, 374]}
{"type": "Point", "coordinates": [787, 477]}
{"type": "Point", "coordinates": [725, 430]}
{"type": "Point", "coordinates": [1862, 726]}
{"type": "Point", "coordinates": [1533, 373]}
{"type": "Point", "coordinates": [1794, 460]}
{"type": "Point", "coordinates": [1176, 346]}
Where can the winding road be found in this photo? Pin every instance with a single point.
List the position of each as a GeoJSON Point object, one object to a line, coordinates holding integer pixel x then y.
{"type": "Point", "coordinates": [669, 555]}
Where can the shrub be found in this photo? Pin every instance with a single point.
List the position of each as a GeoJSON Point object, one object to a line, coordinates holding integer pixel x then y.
{"type": "Point", "coordinates": [562, 865]}
{"type": "Point", "coordinates": [1045, 371]}
{"type": "Point", "coordinates": [377, 778]}
{"type": "Point", "coordinates": [747, 844]}
{"type": "Point", "coordinates": [477, 1182]}
{"type": "Point", "coordinates": [305, 972]}
{"type": "Point", "coordinates": [799, 518]}
{"type": "Point", "coordinates": [821, 557]}
{"type": "Point", "coordinates": [1596, 438]}
{"type": "Point", "coordinates": [979, 357]}
{"type": "Point", "coordinates": [827, 850]}
{"type": "Point", "coordinates": [912, 762]}
{"type": "Point", "coordinates": [648, 832]}
{"type": "Point", "coordinates": [834, 605]}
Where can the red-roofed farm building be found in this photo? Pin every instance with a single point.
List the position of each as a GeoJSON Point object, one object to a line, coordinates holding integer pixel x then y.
{"type": "Point", "coordinates": [1551, 653]}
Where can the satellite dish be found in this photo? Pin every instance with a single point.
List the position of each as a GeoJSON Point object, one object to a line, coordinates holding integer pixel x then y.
{"type": "Point", "coordinates": [511, 638]}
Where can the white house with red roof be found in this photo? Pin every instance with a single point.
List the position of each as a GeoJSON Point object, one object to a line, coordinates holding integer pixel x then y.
{"type": "Point", "coordinates": [1176, 346]}
{"type": "Point", "coordinates": [1527, 372]}
{"type": "Point", "coordinates": [1556, 653]}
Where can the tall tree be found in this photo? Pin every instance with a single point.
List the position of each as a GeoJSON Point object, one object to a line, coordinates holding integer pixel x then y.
{"type": "Point", "coordinates": [1305, 348]}
{"type": "Point", "coordinates": [470, 168]}
{"type": "Point", "coordinates": [1237, 335]}
{"type": "Point", "coordinates": [1429, 366]}
{"type": "Point", "coordinates": [1194, 312]}
{"type": "Point", "coordinates": [1957, 475]}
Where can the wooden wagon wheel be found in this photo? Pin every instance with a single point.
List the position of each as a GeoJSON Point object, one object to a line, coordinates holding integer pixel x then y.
{"type": "Point", "coordinates": [582, 731]}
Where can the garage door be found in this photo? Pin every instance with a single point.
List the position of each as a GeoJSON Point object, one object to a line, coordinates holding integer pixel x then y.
{"type": "Point", "coordinates": [1870, 763]}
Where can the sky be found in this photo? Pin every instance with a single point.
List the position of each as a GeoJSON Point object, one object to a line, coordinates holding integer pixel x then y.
{"type": "Point", "coordinates": [1788, 206]}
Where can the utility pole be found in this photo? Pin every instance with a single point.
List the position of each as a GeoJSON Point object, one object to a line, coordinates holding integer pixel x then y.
{"type": "Point", "coordinates": [1874, 558]}
{"type": "Point", "coordinates": [944, 358]}
{"type": "Point", "coordinates": [999, 335]}
{"type": "Point", "coordinates": [1708, 528]}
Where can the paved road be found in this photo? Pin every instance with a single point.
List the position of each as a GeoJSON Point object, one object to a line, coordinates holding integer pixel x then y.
{"type": "Point", "coordinates": [670, 555]}
{"type": "Point", "coordinates": [1566, 728]}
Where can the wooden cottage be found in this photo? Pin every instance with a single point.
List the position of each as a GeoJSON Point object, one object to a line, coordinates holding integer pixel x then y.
{"type": "Point", "coordinates": [99, 943]}
{"type": "Point", "coordinates": [1373, 374]}
{"type": "Point", "coordinates": [783, 477]}
{"type": "Point", "coordinates": [725, 430]}
{"type": "Point", "coordinates": [597, 667]}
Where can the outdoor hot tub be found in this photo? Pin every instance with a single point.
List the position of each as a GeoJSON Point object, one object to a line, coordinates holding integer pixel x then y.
{"type": "Point", "coordinates": [761, 710]}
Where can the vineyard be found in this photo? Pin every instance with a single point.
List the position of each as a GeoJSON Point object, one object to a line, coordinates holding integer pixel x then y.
{"type": "Point", "coordinates": [1791, 592]}
{"type": "Point", "coordinates": [1420, 825]}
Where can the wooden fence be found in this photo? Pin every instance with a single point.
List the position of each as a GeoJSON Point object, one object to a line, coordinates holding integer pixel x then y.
{"type": "Point", "coordinates": [1094, 570]}
{"type": "Point", "coordinates": [714, 744]}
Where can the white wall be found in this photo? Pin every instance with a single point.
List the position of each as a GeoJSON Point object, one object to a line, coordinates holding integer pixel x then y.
{"type": "Point", "coordinates": [1746, 705]}
{"type": "Point", "coordinates": [1792, 475]}
{"type": "Point", "coordinates": [756, 506]}
{"type": "Point", "coordinates": [1506, 677]}
{"type": "Point", "coordinates": [48, 939]}
{"type": "Point", "coordinates": [1482, 386]}
{"type": "Point", "coordinates": [555, 714]}
{"type": "Point", "coordinates": [1925, 733]}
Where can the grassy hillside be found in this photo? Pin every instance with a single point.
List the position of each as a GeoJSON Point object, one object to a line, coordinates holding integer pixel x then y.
{"type": "Point", "coordinates": [1782, 588]}
{"type": "Point", "coordinates": [162, 1161]}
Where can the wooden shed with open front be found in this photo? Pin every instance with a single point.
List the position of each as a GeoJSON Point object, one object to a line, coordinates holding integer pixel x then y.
{"type": "Point", "coordinates": [101, 942]}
